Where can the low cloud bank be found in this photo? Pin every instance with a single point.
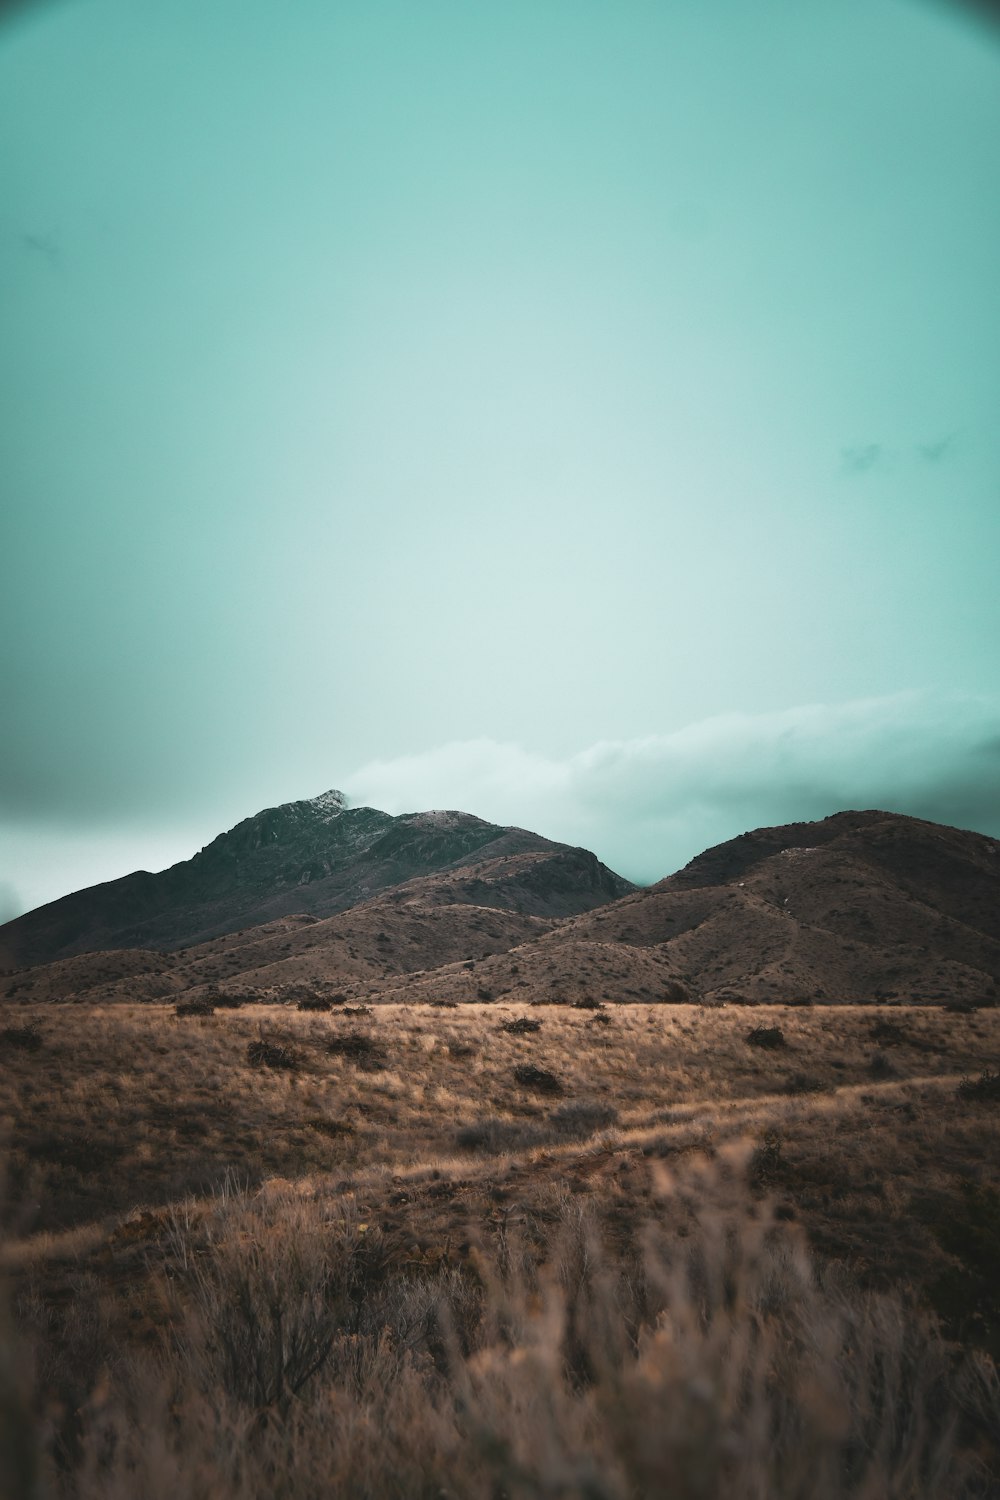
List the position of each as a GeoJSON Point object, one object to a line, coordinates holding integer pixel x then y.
{"type": "Point", "coordinates": [648, 805]}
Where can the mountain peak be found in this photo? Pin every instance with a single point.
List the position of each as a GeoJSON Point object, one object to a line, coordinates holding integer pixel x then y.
{"type": "Point", "coordinates": [329, 804]}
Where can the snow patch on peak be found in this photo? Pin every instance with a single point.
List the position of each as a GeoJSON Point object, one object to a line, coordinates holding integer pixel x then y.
{"type": "Point", "coordinates": [329, 804]}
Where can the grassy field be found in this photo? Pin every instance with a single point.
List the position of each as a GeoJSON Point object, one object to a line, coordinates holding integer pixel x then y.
{"type": "Point", "coordinates": [501, 1250]}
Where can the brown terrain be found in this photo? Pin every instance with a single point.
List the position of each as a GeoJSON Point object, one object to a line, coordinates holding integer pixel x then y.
{"type": "Point", "coordinates": [859, 907]}
{"type": "Point", "coordinates": [510, 1179]}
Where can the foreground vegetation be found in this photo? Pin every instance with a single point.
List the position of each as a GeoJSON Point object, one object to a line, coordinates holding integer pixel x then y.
{"type": "Point", "coordinates": [501, 1251]}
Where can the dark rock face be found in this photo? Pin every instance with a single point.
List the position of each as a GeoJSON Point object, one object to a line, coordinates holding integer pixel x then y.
{"type": "Point", "coordinates": [316, 857]}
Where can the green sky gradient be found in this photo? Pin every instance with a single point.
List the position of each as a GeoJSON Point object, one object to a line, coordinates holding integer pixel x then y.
{"type": "Point", "coordinates": [379, 380]}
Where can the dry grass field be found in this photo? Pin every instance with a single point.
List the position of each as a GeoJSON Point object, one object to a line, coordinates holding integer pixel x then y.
{"type": "Point", "coordinates": [501, 1249]}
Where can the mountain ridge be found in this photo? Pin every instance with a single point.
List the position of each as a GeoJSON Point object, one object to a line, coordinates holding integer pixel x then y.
{"type": "Point", "coordinates": [315, 856]}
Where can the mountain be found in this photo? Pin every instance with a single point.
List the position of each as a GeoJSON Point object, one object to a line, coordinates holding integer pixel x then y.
{"type": "Point", "coordinates": [858, 907]}
{"type": "Point", "coordinates": [315, 857]}
{"type": "Point", "coordinates": [443, 906]}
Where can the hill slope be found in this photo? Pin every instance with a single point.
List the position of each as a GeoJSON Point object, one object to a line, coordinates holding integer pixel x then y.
{"type": "Point", "coordinates": [316, 857]}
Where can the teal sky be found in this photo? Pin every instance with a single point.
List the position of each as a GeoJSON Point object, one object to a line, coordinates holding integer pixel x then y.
{"type": "Point", "coordinates": [584, 414]}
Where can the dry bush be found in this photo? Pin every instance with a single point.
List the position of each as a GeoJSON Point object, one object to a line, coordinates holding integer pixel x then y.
{"type": "Point", "coordinates": [579, 1118]}
{"type": "Point", "coordinates": [888, 1033]}
{"type": "Point", "coordinates": [23, 1038]}
{"type": "Point", "coordinates": [194, 1008]}
{"type": "Point", "coordinates": [766, 1036]}
{"type": "Point", "coordinates": [315, 1002]}
{"type": "Point", "coordinates": [541, 1079]}
{"type": "Point", "coordinates": [306, 1360]}
{"type": "Point", "coordinates": [264, 1053]}
{"type": "Point", "coordinates": [359, 1047]}
{"type": "Point", "coordinates": [982, 1090]}
{"type": "Point", "coordinates": [520, 1026]}
{"type": "Point", "coordinates": [495, 1136]}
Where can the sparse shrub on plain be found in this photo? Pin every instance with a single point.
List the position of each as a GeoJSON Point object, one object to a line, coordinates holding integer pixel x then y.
{"type": "Point", "coordinates": [520, 1026]}
{"type": "Point", "coordinates": [982, 1090]}
{"type": "Point", "coordinates": [888, 1033]}
{"type": "Point", "coordinates": [21, 1038]}
{"type": "Point", "coordinates": [265, 1053]}
{"type": "Point", "coordinates": [359, 1047]}
{"type": "Point", "coordinates": [766, 1162]}
{"type": "Point", "coordinates": [327, 1126]}
{"type": "Point", "coordinates": [357, 1010]}
{"type": "Point", "coordinates": [494, 1136]}
{"type": "Point", "coordinates": [540, 1079]}
{"type": "Point", "coordinates": [771, 1037]}
{"type": "Point", "coordinates": [882, 1066]}
{"type": "Point", "coordinates": [803, 1083]}
{"type": "Point", "coordinates": [315, 1002]}
{"type": "Point", "coordinates": [194, 1008]}
{"type": "Point", "coordinates": [579, 1118]}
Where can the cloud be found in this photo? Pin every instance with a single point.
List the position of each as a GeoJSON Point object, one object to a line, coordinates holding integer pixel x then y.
{"type": "Point", "coordinates": [937, 452]}
{"type": "Point", "coordinates": [648, 805]}
{"type": "Point", "coordinates": [861, 458]}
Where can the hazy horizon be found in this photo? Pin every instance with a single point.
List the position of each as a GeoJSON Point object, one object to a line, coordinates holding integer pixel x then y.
{"type": "Point", "coordinates": [580, 415]}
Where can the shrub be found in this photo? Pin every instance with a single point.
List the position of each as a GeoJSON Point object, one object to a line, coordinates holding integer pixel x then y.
{"type": "Point", "coordinates": [882, 1066]}
{"type": "Point", "coordinates": [520, 1026]}
{"type": "Point", "coordinates": [539, 1079]}
{"type": "Point", "coordinates": [766, 1163]}
{"type": "Point", "coordinates": [267, 1054]}
{"type": "Point", "coordinates": [359, 1047]}
{"type": "Point", "coordinates": [982, 1090]}
{"type": "Point", "coordinates": [315, 1002]}
{"type": "Point", "coordinates": [579, 1118]}
{"type": "Point", "coordinates": [26, 1038]}
{"type": "Point", "coordinates": [766, 1036]}
{"type": "Point", "coordinates": [330, 1127]}
{"type": "Point", "coordinates": [494, 1136]}
{"type": "Point", "coordinates": [194, 1008]}
{"type": "Point", "coordinates": [888, 1033]}
{"type": "Point", "coordinates": [588, 1002]}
